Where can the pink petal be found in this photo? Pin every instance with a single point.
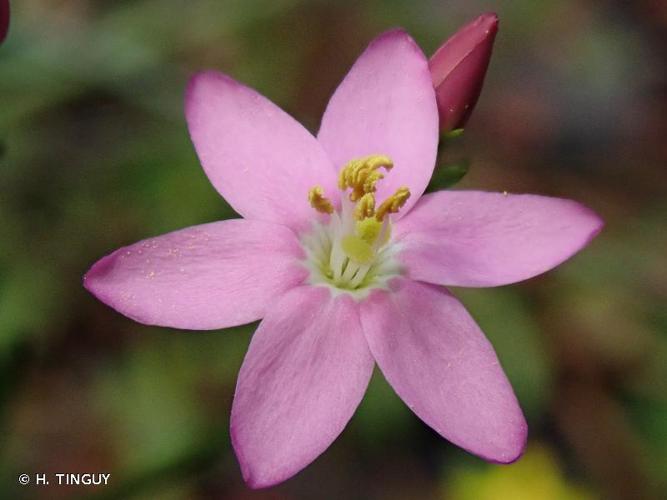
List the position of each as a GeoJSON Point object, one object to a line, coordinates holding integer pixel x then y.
{"type": "Point", "coordinates": [258, 157]}
{"type": "Point", "coordinates": [473, 238]}
{"type": "Point", "coordinates": [439, 362]}
{"type": "Point", "coordinates": [305, 373]}
{"type": "Point", "coordinates": [204, 277]}
{"type": "Point", "coordinates": [386, 105]}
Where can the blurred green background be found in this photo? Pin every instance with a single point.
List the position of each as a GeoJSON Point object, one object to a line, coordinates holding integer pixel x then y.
{"type": "Point", "coordinates": [94, 154]}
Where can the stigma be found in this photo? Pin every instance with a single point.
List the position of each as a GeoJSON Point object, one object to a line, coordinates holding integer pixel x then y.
{"type": "Point", "coordinates": [351, 251]}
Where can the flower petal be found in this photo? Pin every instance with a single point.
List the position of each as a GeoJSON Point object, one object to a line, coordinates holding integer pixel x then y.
{"type": "Point", "coordinates": [473, 238]}
{"type": "Point", "coordinates": [439, 362]}
{"type": "Point", "coordinates": [203, 277]}
{"type": "Point", "coordinates": [261, 160]}
{"type": "Point", "coordinates": [386, 105]}
{"type": "Point", "coordinates": [305, 373]}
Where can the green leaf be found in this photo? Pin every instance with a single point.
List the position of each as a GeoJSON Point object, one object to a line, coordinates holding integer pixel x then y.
{"type": "Point", "coordinates": [446, 176]}
{"type": "Point", "coordinates": [452, 134]}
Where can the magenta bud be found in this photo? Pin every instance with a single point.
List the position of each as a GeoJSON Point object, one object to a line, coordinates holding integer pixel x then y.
{"type": "Point", "coordinates": [4, 19]}
{"type": "Point", "coordinates": [458, 68]}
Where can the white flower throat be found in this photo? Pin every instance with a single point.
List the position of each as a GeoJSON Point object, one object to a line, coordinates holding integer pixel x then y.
{"type": "Point", "coordinates": [352, 251]}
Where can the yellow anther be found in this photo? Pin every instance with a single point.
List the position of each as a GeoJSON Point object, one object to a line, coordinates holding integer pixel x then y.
{"type": "Point", "coordinates": [320, 202]}
{"type": "Point", "coordinates": [393, 204]}
{"type": "Point", "coordinates": [376, 161]}
{"type": "Point", "coordinates": [368, 185]}
{"type": "Point", "coordinates": [365, 207]}
{"type": "Point", "coordinates": [361, 175]}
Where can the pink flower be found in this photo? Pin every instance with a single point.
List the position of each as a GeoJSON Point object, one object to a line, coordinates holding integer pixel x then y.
{"type": "Point", "coordinates": [4, 19]}
{"type": "Point", "coordinates": [346, 266]}
{"type": "Point", "coordinates": [458, 68]}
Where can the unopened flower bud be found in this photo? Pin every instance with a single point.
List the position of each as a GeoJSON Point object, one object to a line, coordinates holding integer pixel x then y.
{"type": "Point", "coordinates": [4, 19]}
{"type": "Point", "coordinates": [458, 68]}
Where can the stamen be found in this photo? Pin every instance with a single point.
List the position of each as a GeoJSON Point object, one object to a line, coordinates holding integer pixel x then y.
{"type": "Point", "coordinates": [393, 204]}
{"type": "Point", "coordinates": [365, 207]}
{"type": "Point", "coordinates": [352, 250]}
{"type": "Point", "coordinates": [359, 277]}
{"type": "Point", "coordinates": [320, 202]}
{"type": "Point", "coordinates": [361, 175]}
{"type": "Point", "coordinates": [369, 182]}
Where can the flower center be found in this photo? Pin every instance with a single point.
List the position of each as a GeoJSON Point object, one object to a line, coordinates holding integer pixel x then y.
{"type": "Point", "coordinates": [352, 250]}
